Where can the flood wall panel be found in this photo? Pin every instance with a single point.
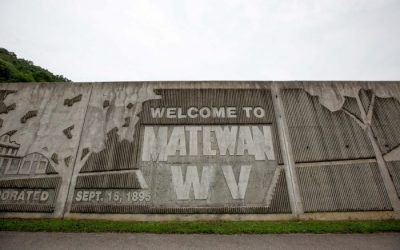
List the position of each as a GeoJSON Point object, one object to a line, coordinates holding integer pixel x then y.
{"type": "Point", "coordinates": [98, 150]}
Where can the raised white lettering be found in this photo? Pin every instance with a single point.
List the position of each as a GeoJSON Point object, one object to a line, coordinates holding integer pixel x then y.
{"type": "Point", "coordinates": [259, 112]}
{"type": "Point", "coordinates": [157, 112]}
{"type": "Point", "coordinates": [171, 113]}
{"type": "Point", "coordinates": [177, 142]}
{"type": "Point", "coordinates": [263, 143]}
{"type": "Point", "coordinates": [154, 146]}
{"type": "Point", "coordinates": [207, 150]}
{"type": "Point", "coordinates": [205, 112]}
{"type": "Point", "coordinates": [245, 142]}
{"type": "Point", "coordinates": [218, 112]}
{"type": "Point", "coordinates": [193, 131]}
{"type": "Point", "coordinates": [215, 140]}
{"type": "Point", "coordinates": [193, 112]}
{"type": "Point", "coordinates": [226, 139]}
{"type": "Point", "coordinates": [231, 112]}
{"type": "Point", "coordinates": [180, 114]}
{"type": "Point", "coordinates": [44, 196]}
{"type": "Point", "coordinates": [247, 111]}
{"type": "Point", "coordinates": [200, 187]}
{"type": "Point", "coordinates": [238, 189]}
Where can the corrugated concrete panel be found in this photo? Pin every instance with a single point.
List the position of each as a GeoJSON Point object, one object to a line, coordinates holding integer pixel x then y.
{"type": "Point", "coordinates": [186, 98]}
{"type": "Point", "coordinates": [386, 123]}
{"type": "Point", "coordinates": [351, 106]}
{"type": "Point", "coordinates": [318, 134]}
{"type": "Point", "coordinates": [169, 210]}
{"type": "Point", "coordinates": [124, 180]}
{"type": "Point", "coordinates": [29, 195]}
{"type": "Point", "coordinates": [280, 201]}
{"type": "Point", "coordinates": [40, 129]}
{"type": "Point", "coordinates": [170, 190]}
{"type": "Point", "coordinates": [184, 148]}
{"type": "Point", "coordinates": [109, 144]}
{"type": "Point", "coordinates": [279, 204]}
{"type": "Point", "coordinates": [117, 155]}
{"type": "Point", "coordinates": [356, 187]}
{"type": "Point", "coordinates": [109, 140]}
{"type": "Point", "coordinates": [27, 208]}
{"type": "Point", "coordinates": [394, 169]}
{"type": "Point", "coordinates": [297, 104]}
{"type": "Point", "coordinates": [32, 183]}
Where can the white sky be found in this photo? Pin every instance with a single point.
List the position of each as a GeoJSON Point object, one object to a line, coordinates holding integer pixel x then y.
{"type": "Point", "coordinates": [206, 39]}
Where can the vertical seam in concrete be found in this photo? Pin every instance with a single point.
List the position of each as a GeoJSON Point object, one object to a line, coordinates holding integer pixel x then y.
{"type": "Point", "coordinates": [287, 154]}
{"type": "Point", "coordinates": [66, 207]}
{"type": "Point", "coordinates": [387, 180]}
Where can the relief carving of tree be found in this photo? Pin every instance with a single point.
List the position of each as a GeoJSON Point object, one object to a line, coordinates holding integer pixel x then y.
{"type": "Point", "coordinates": [366, 102]}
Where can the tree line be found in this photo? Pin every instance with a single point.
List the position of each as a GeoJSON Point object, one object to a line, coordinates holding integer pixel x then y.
{"type": "Point", "coordinates": [14, 69]}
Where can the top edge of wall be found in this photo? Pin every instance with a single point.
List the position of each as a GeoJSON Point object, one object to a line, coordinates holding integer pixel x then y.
{"type": "Point", "coordinates": [387, 85]}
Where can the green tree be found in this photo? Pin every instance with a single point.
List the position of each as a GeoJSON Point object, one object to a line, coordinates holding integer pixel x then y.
{"type": "Point", "coordinates": [14, 69]}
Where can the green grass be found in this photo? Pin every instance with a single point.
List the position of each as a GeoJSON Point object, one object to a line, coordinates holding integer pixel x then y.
{"type": "Point", "coordinates": [216, 227]}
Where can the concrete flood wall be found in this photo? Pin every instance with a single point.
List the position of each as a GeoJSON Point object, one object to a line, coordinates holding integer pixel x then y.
{"type": "Point", "coordinates": [200, 150]}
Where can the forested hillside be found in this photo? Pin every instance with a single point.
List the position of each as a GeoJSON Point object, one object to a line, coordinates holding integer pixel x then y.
{"type": "Point", "coordinates": [13, 69]}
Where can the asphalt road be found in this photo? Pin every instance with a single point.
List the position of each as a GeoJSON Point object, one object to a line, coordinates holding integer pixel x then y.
{"type": "Point", "coordinates": [114, 241]}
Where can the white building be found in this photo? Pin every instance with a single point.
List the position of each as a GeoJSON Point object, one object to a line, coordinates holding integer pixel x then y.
{"type": "Point", "coordinates": [11, 164]}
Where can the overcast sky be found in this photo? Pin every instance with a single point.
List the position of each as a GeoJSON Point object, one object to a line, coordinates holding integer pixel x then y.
{"type": "Point", "coordinates": [206, 39]}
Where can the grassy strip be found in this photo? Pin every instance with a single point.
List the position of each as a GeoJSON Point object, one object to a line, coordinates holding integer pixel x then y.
{"type": "Point", "coordinates": [178, 227]}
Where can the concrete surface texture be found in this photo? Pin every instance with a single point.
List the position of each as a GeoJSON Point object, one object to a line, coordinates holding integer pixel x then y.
{"type": "Point", "coordinates": [143, 150]}
{"type": "Point", "coordinates": [99, 241]}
